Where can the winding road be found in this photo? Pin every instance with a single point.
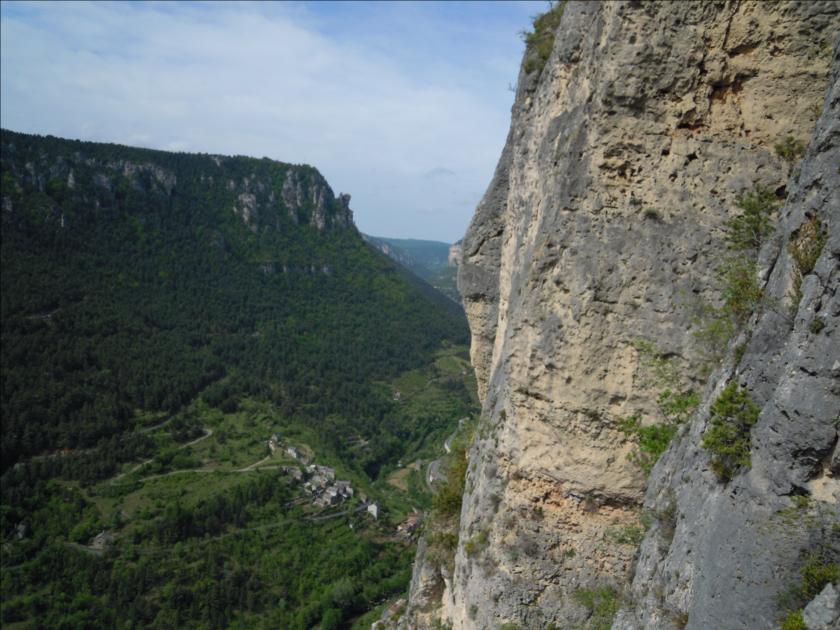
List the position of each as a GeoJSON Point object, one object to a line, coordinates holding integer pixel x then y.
{"type": "Point", "coordinates": [207, 433]}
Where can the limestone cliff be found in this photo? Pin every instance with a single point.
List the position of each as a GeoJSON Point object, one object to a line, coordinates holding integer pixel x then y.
{"type": "Point", "coordinates": [264, 194]}
{"type": "Point", "coordinates": [604, 225]}
{"type": "Point", "coordinates": [733, 551]}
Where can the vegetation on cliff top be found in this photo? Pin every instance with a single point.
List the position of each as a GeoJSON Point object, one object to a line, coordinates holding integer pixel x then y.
{"type": "Point", "coordinates": [540, 42]}
{"type": "Point", "coordinates": [120, 296]}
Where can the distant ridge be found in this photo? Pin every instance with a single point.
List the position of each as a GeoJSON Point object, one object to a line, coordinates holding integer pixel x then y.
{"type": "Point", "coordinates": [433, 261]}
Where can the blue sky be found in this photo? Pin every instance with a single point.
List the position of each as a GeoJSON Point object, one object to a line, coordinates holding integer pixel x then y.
{"type": "Point", "coordinates": [403, 105]}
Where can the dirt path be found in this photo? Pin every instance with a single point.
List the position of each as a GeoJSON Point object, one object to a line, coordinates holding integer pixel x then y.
{"type": "Point", "coordinates": [84, 548]}
{"type": "Point", "coordinates": [433, 473]}
{"type": "Point", "coordinates": [250, 468]}
{"type": "Point", "coordinates": [155, 426]}
{"type": "Point", "coordinates": [207, 433]}
{"type": "Point", "coordinates": [327, 517]}
{"type": "Point", "coordinates": [255, 464]}
{"type": "Point", "coordinates": [447, 445]}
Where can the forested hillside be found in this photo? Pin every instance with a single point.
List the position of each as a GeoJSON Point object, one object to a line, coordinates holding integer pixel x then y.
{"type": "Point", "coordinates": [131, 283]}
{"type": "Point", "coordinates": [152, 300]}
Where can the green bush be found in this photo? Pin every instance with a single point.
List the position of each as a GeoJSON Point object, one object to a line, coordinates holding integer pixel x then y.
{"type": "Point", "coordinates": [805, 248]}
{"type": "Point", "coordinates": [476, 544]}
{"type": "Point", "coordinates": [749, 229]}
{"type": "Point", "coordinates": [739, 351]}
{"type": "Point", "coordinates": [737, 274]}
{"type": "Point", "coordinates": [447, 502]}
{"type": "Point", "coordinates": [790, 149]}
{"type": "Point", "coordinates": [628, 535]}
{"type": "Point", "coordinates": [653, 440]}
{"type": "Point", "coordinates": [794, 621]}
{"type": "Point", "coordinates": [816, 572]}
{"type": "Point", "coordinates": [540, 42]}
{"type": "Point", "coordinates": [816, 326]}
{"type": "Point", "coordinates": [807, 244]}
{"type": "Point", "coordinates": [675, 406]}
{"type": "Point", "coordinates": [446, 540]}
{"type": "Point", "coordinates": [741, 291]}
{"type": "Point", "coordinates": [661, 367]}
{"type": "Point", "coordinates": [602, 604]}
{"type": "Point", "coordinates": [742, 295]}
{"type": "Point", "coordinates": [728, 438]}
{"type": "Point", "coordinates": [716, 328]}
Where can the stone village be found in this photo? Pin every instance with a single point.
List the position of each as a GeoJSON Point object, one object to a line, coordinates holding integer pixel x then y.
{"type": "Point", "coordinates": [319, 482]}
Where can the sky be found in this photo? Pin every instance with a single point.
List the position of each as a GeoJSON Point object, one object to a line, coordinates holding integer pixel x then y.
{"type": "Point", "coordinates": [404, 105]}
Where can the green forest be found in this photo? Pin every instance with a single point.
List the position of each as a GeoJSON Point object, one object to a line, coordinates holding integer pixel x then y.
{"type": "Point", "coordinates": [162, 315]}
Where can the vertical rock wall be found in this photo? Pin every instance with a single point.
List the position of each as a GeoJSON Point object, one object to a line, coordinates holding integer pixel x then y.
{"type": "Point", "coordinates": [603, 225]}
{"type": "Point", "coordinates": [733, 550]}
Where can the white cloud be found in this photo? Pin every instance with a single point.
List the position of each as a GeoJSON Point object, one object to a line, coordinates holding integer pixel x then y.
{"type": "Point", "coordinates": [440, 171]}
{"type": "Point", "coordinates": [268, 81]}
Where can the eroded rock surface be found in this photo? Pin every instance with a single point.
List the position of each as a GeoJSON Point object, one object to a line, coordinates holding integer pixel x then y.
{"type": "Point", "coordinates": [736, 548]}
{"type": "Point", "coordinates": [823, 612]}
{"type": "Point", "coordinates": [603, 225]}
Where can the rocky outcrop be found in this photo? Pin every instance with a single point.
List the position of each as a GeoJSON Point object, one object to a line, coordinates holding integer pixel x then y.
{"type": "Point", "coordinates": [823, 612]}
{"type": "Point", "coordinates": [308, 198]}
{"type": "Point", "coordinates": [425, 592]}
{"type": "Point", "coordinates": [267, 197]}
{"type": "Point", "coordinates": [603, 225]}
{"type": "Point", "coordinates": [455, 255]}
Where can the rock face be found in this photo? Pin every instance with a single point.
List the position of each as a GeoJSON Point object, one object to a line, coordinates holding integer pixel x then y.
{"type": "Point", "coordinates": [823, 613]}
{"type": "Point", "coordinates": [308, 197]}
{"type": "Point", "coordinates": [455, 255]}
{"type": "Point", "coordinates": [603, 225]}
{"type": "Point", "coordinates": [736, 548]}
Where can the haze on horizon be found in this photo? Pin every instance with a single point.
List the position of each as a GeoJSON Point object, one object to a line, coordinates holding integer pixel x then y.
{"type": "Point", "coordinates": [403, 105]}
